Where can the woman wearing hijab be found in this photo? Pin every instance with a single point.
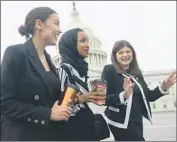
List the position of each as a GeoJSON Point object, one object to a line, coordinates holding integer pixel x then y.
{"type": "Point", "coordinates": [73, 48]}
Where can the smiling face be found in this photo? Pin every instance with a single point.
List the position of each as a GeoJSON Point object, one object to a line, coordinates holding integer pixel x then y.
{"type": "Point", "coordinates": [82, 44]}
{"type": "Point", "coordinates": [49, 30]}
{"type": "Point", "coordinates": [124, 57]}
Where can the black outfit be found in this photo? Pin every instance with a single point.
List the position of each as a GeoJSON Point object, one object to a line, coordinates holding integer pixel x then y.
{"type": "Point", "coordinates": [125, 118]}
{"type": "Point", "coordinates": [80, 126]}
{"type": "Point", "coordinates": [73, 69]}
{"type": "Point", "coordinates": [132, 133]}
{"type": "Point", "coordinates": [28, 93]}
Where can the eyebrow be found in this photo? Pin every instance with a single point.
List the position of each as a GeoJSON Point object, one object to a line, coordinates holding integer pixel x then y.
{"type": "Point", "coordinates": [84, 37]}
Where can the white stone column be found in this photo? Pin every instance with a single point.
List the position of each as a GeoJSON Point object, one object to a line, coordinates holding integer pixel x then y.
{"type": "Point", "coordinates": [92, 60]}
{"type": "Point", "coordinates": [95, 58]}
{"type": "Point", "coordinates": [99, 56]}
{"type": "Point", "coordinates": [93, 43]}
{"type": "Point", "coordinates": [104, 60]}
{"type": "Point", "coordinates": [101, 60]}
{"type": "Point", "coordinates": [97, 62]}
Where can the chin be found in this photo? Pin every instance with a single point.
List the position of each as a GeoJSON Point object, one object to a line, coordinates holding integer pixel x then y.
{"type": "Point", "coordinates": [86, 56]}
{"type": "Point", "coordinates": [52, 43]}
{"type": "Point", "coordinates": [125, 64]}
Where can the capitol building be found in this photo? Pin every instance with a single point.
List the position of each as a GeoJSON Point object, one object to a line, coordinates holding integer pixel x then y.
{"type": "Point", "coordinates": [97, 59]}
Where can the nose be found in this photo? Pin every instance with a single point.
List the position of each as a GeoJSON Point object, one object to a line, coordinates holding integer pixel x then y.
{"type": "Point", "coordinates": [87, 44]}
{"type": "Point", "coordinates": [59, 30]}
{"type": "Point", "coordinates": [124, 54]}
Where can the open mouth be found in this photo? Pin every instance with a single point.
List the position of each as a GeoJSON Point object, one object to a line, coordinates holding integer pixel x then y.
{"type": "Point", "coordinates": [125, 60]}
{"type": "Point", "coordinates": [57, 34]}
{"type": "Point", "coordinates": [86, 51]}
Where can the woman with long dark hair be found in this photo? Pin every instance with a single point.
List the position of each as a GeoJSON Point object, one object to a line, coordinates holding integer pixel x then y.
{"type": "Point", "coordinates": [128, 95]}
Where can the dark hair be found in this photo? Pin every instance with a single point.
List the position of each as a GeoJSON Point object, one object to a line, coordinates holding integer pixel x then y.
{"type": "Point", "coordinates": [134, 67]}
{"type": "Point", "coordinates": [41, 13]}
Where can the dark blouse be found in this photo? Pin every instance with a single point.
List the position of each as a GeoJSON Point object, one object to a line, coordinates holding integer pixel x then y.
{"type": "Point", "coordinates": [53, 83]}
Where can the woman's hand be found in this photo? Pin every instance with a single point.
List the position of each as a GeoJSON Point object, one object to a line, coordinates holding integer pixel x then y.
{"type": "Point", "coordinates": [91, 97]}
{"type": "Point", "coordinates": [128, 87]}
{"type": "Point", "coordinates": [170, 81]}
{"type": "Point", "coordinates": [60, 113]}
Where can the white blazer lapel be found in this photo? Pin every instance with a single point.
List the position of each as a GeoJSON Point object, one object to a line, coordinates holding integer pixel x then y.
{"type": "Point", "coordinates": [144, 98]}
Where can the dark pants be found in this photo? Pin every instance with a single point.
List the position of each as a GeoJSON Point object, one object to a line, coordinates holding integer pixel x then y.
{"type": "Point", "coordinates": [132, 133]}
{"type": "Point", "coordinates": [79, 127]}
{"type": "Point", "coordinates": [78, 133]}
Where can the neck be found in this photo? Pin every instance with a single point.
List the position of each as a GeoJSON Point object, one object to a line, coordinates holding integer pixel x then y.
{"type": "Point", "coordinates": [125, 67]}
{"type": "Point", "coordinates": [38, 45]}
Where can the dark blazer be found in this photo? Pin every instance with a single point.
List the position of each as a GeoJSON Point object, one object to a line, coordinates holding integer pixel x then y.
{"type": "Point", "coordinates": [116, 111]}
{"type": "Point", "coordinates": [26, 98]}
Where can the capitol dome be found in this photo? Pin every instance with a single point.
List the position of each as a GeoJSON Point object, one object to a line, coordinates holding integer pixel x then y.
{"type": "Point", "coordinates": [76, 22]}
{"type": "Point", "coordinates": [89, 31]}
{"type": "Point", "coordinates": [97, 57]}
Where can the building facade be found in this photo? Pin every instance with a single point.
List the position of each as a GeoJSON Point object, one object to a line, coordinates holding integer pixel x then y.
{"type": "Point", "coordinates": [167, 102]}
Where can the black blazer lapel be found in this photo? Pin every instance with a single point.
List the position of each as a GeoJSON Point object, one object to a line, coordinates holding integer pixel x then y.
{"type": "Point", "coordinates": [35, 61]}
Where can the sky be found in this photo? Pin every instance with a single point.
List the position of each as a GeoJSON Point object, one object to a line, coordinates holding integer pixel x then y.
{"type": "Point", "coordinates": [150, 26]}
